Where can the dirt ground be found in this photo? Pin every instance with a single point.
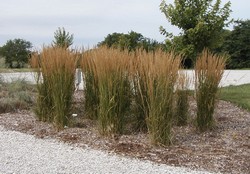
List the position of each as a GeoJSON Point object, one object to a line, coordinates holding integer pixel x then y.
{"type": "Point", "coordinates": [225, 149]}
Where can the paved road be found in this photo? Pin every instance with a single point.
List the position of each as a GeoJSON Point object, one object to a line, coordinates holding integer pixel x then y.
{"type": "Point", "coordinates": [230, 77]}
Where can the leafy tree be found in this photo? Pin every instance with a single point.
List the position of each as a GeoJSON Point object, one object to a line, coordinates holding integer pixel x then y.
{"type": "Point", "coordinates": [221, 42]}
{"type": "Point", "coordinates": [111, 40]}
{"type": "Point", "coordinates": [16, 53]}
{"type": "Point", "coordinates": [130, 41]}
{"type": "Point", "coordinates": [201, 23]}
{"type": "Point", "coordinates": [124, 42]}
{"type": "Point", "coordinates": [237, 44]}
{"type": "Point", "coordinates": [135, 39]}
{"type": "Point", "coordinates": [151, 45]}
{"type": "Point", "coordinates": [63, 38]}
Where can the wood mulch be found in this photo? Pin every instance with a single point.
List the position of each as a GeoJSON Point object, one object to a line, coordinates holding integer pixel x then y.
{"type": "Point", "coordinates": [225, 149]}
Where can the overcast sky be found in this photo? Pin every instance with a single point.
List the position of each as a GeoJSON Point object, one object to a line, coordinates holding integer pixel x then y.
{"type": "Point", "coordinates": [89, 20]}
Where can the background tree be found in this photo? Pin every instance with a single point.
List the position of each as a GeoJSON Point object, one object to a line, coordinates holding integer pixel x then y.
{"type": "Point", "coordinates": [16, 53]}
{"type": "Point", "coordinates": [201, 23]}
{"type": "Point", "coordinates": [111, 40]}
{"type": "Point", "coordinates": [237, 45]}
{"type": "Point", "coordinates": [130, 41]}
{"type": "Point", "coordinates": [63, 38]}
{"type": "Point", "coordinates": [221, 42]}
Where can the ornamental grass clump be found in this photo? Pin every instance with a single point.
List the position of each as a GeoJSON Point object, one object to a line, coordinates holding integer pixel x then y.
{"type": "Point", "coordinates": [91, 91]}
{"type": "Point", "coordinates": [112, 67]}
{"type": "Point", "coordinates": [43, 108]}
{"type": "Point", "coordinates": [161, 72]}
{"type": "Point", "coordinates": [56, 66]}
{"type": "Point", "coordinates": [182, 104]}
{"type": "Point", "coordinates": [139, 89]}
{"type": "Point", "coordinates": [209, 69]}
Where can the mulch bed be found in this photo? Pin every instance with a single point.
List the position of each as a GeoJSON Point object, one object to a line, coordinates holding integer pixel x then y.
{"type": "Point", "coordinates": [225, 149]}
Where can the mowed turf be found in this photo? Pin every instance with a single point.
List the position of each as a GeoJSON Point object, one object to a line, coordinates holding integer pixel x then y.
{"type": "Point", "coordinates": [239, 95]}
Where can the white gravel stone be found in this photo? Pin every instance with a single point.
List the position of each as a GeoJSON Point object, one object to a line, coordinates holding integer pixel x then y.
{"type": "Point", "coordinates": [24, 154]}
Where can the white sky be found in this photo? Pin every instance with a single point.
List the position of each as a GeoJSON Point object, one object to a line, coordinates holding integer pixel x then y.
{"type": "Point", "coordinates": [89, 20]}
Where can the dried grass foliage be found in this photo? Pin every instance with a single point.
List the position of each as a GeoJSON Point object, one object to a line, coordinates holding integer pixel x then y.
{"type": "Point", "coordinates": [182, 104]}
{"type": "Point", "coordinates": [56, 66]}
{"type": "Point", "coordinates": [161, 71]}
{"type": "Point", "coordinates": [145, 90]}
{"type": "Point", "coordinates": [209, 69]}
{"type": "Point", "coordinates": [111, 68]}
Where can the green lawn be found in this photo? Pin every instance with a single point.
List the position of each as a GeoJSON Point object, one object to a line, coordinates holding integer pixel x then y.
{"type": "Point", "coordinates": [240, 95]}
{"type": "Point", "coordinates": [9, 70]}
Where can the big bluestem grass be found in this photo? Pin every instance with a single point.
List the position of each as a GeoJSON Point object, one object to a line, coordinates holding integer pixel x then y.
{"type": "Point", "coordinates": [114, 89]}
{"type": "Point", "coordinates": [91, 91]}
{"type": "Point", "coordinates": [209, 69]}
{"type": "Point", "coordinates": [161, 72]}
{"type": "Point", "coordinates": [182, 104]}
{"type": "Point", "coordinates": [57, 67]}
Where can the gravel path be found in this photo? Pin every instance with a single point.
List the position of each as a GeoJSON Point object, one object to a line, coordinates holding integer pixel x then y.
{"type": "Point", "coordinates": [22, 154]}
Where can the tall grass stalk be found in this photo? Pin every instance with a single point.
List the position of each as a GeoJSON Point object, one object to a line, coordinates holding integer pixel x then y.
{"type": "Point", "coordinates": [114, 89]}
{"type": "Point", "coordinates": [139, 89]}
{"type": "Point", "coordinates": [91, 91]}
{"type": "Point", "coordinates": [209, 69]}
{"type": "Point", "coordinates": [57, 67]}
{"type": "Point", "coordinates": [44, 106]}
{"type": "Point", "coordinates": [161, 72]}
{"type": "Point", "coordinates": [182, 104]}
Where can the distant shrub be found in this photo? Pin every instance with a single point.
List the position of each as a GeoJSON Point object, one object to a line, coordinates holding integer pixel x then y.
{"type": "Point", "coordinates": [16, 95]}
{"type": "Point", "coordinates": [2, 62]}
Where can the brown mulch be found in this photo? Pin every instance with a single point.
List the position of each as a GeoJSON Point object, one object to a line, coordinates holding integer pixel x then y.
{"type": "Point", "coordinates": [225, 149]}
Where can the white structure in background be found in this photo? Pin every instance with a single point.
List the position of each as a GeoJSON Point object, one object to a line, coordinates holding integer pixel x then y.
{"type": "Point", "coordinates": [230, 77]}
{"type": "Point", "coordinates": [78, 79]}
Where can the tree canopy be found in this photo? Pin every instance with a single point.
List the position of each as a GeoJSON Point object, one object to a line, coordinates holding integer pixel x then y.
{"type": "Point", "coordinates": [130, 41]}
{"type": "Point", "coordinates": [63, 38]}
{"type": "Point", "coordinates": [201, 23]}
{"type": "Point", "coordinates": [237, 44]}
{"type": "Point", "coordinates": [16, 53]}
